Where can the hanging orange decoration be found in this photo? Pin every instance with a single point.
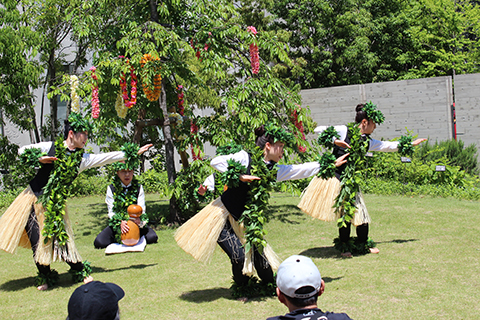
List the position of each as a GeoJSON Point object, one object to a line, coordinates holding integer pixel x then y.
{"type": "Point", "coordinates": [154, 94]}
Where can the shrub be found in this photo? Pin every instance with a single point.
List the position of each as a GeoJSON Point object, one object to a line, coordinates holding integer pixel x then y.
{"type": "Point", "coordinates": [455, 153]}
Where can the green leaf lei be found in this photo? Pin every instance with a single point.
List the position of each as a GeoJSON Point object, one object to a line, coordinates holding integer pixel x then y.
{"type": "Point", "coordinates": [373, 113]}
{"type": "Point", "coordinates": [57, 190]}
{"type": "Point", "coordinates": [278, 134]}
{"type": "Point", "coordinates": [405, 146]}
{"type": "Point", "coordinates": [326, 137]}
{"type": "Point", "coordinates": [79, 123]}
{"type": "Point", "coordinates": [327, 165]}
{"type": "Point", "coordinates": [351, 176]}
{"type": "Point", "coordinates": [133, 158]}
{"type": "Point", "coordinates": [121, 201]}
{"type": "Point", "coordinates": [29, 157]}
{"type": "Point", "coordinates": [231, 177]}
{"type": "Point", "coordinates": [78, 276]}
{"type": "Point", "coordinates": [228, 148]}
{"type": "Point", "coordinates": [254, 217]}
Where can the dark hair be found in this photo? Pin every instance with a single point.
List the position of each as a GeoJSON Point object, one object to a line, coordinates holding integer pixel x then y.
{"type": "Point", "coordinates": [67, 128]}
{"type": "Point", "coordinates": [303, 302]}
{"type": "Point", "coordinates": [262, 137]}
{"type": "Point", "coordinates": [360, 114]}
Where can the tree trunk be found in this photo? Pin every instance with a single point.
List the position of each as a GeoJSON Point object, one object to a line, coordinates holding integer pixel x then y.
{"type": "Point", "coordinates": [53, 101]}
{"type": "Point", "coordinates": [169, 154]}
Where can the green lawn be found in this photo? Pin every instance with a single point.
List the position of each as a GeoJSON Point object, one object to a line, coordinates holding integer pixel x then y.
{"type": "Point", "coordinates": [428, 266]}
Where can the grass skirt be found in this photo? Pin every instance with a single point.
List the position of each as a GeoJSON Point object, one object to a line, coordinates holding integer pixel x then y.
{"type": "Point", "coordinates": [198, 236]}
{"type": "Point", "coordinates": [319, 197]}
{"type": "Point", "coordinates": [13, 234]}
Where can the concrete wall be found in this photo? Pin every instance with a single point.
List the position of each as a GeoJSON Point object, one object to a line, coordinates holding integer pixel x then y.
{"type": "Point", "coordinates": [421, 105]}
{"type": "Point", "coordinates": [467, 107]}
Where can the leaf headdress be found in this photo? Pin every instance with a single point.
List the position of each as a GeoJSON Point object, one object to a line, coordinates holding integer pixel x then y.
{"type": "Point", "coordinates": [79, 123]}
{"type": "Point", "coordinates": [278, 134]}
{"type": "Point", "coordinates": [373, 113]}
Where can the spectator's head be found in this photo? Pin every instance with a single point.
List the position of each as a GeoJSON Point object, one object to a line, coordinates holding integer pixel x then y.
{"type": "Point", "coordinates": [299, 283]}
{"type": "Point", "coordinates": [95, 301]}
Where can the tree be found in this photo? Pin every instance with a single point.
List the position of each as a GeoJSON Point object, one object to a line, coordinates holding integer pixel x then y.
{"type": "Point", "coordinates": [19, 71]}
{"type": "Point", "coordinates": [206, 59]}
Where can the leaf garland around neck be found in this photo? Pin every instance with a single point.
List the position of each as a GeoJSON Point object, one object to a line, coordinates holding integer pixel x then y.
{"type": "Point", "coordinates": [121, 201]}
{"type": "Point", "coordinates": [351, 176]}
{"type": "Point", "coordinates": [326, 137]}
{"type": "Point", "coordinates": [373, 113]}
{"type": "Point", "coordinates": [30, 157]}
{"type": "Point", "coordinates": [254, 217]}
{"type": "Point", "coordinates": [405, 146]}
{"type": "Point", "coordinates": [57, 190]}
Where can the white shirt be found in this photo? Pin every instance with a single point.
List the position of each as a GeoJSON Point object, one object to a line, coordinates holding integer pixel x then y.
{"type": "Point", "coordinates": [285, 172]}
{"type": "Point", "coordinates": [88, 160]}
{"type": "Point", "coordinates": [374, 145]}
{"type": "Point", "coordinates": [109, 199]}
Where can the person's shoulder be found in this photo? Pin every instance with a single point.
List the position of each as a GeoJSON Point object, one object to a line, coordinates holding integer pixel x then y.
{"type": "Point", "coordinates": [311, 314]}
{"type": "Point", "coordinates": [336, 316]}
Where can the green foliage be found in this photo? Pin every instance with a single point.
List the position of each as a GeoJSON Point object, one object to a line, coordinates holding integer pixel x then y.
{"type": "Point", "coordinates": [231, 177]}
{"type": "Point", "coordinates": [405, 147]}
{"type": "Point", "coordinates": [254, 217]}
{"type": "Point", "coordinates": [78, 276]}
{"type": "Point", "coordinates": [350, 42]}
{"type": "Point", "coordinates": [253, 288]}
{"type": "Point", "coordinates": [186, 186]}
{"type": "Point", "coordinates": [30, 157]}
{"type": "Point", "coordinates": [79, 123]}
{"type": "Point", "coordinates": [57, 190]}
{"type": "Point", "coordinates": [351, 176]}
{"type": "Point", "coordinates": [228, 148]}
{"type": "Point", "coordinates": [327, 165]}
{"type": "Point", "coordinates": [422, 169]}
{"type": "Point", "coordinates": [325, 138]}
{"type": "Point", "coordinates": [373, 113]}
{"type": "Point", "coordinates": [19, 66]}
{"type": "Point", "coordinates": [354, 246]}
{"type": "Point", "coordinates": [154, 181]}
{"type": "Point", "coordinates": [50, 278]}
{"type": "Point", "coordinates": [454, 151]}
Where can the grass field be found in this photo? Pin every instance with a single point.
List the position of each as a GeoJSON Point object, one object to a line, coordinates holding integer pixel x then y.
{"type": "Point", "coordinates": [428, 266]}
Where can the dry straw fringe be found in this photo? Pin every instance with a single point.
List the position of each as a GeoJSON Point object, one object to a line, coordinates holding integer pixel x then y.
{"type": "Point", "coordinates": [319, 197]}
{"type": "Point", "coordinates": [198, 236]}
{"type": "Point", "coordinates": [13, 234]}
{"type": "Point", "coordinates": [14, 220]}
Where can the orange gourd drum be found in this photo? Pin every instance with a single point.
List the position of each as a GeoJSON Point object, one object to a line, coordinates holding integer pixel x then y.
{"type": "Point", "coordinates": [132, 237]}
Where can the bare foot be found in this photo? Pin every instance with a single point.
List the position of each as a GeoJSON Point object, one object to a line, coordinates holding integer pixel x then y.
{"type": "Point", "coordinates": [347, 255]}
{"type": "Point", "coordinates": [43, 287]}
{"type": "Point", "coordinates": [242, 299]}
{"type": "Point", "coordinates": [374, 250]}
{"type": "Point", "coordinates": [88, 279]}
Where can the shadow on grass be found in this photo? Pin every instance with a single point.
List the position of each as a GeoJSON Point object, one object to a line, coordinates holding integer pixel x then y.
{"type": "Point", "coordinates": [64, 279]}
{"type": "Point", "coordinates": [331, 252]}
{"type": "Point", "coordinates": [398, 241]}
{"type": "Point", "coordinates": [321, 252]}
{"type": "Point", "coordinates": [209, 295]}
{"type": "Point", "coordinates": [284, 213]}
{"type": "Point", "coordinates": [136, 266]}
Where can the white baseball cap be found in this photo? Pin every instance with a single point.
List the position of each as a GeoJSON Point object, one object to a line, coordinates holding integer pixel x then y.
{"type": "Point", "coordinates": [298, 272]}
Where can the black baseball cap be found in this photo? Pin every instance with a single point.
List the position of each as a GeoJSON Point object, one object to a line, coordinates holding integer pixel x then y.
{"type": "Point", "coordinates": [95, 301]}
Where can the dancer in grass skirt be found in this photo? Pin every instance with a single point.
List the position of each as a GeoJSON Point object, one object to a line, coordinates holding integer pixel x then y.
{"type": "Point", "coordinates": [236, 219]}
{"type": "Point", "coordinates": [337, 197]}
{"type": "Point", "coordinates": [37, 218]}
